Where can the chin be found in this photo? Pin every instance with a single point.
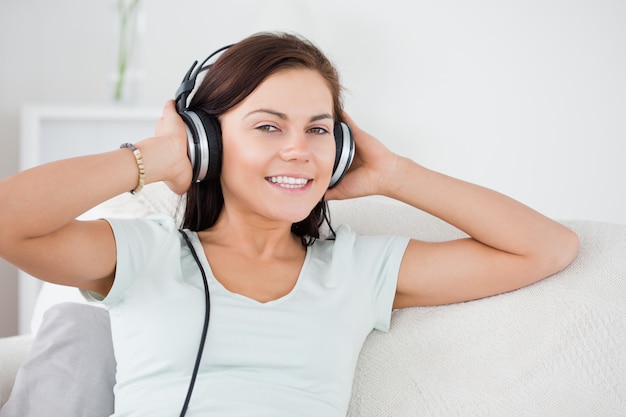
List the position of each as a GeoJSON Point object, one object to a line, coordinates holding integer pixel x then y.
{"type": "Point", "coordinates": [295, 216]}
{"type": "Point", "coordinates": [297, 219]}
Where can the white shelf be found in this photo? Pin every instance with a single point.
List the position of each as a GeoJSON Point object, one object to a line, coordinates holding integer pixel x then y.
{"type": "Point", "coordinates": [50, 132]}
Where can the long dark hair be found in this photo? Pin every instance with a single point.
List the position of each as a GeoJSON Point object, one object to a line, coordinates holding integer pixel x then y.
{"type": "Point", "coordinates": [234, 76]}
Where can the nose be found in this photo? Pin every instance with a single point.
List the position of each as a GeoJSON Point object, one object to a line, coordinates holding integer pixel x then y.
{"type": "Point", "coordinates": [295, 148]}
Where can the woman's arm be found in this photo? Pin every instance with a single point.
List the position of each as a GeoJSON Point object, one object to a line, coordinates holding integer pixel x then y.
{"type": "Point", "coordinates": [38, 207]}
{"type": "Point", "coordinates": [510, 245]}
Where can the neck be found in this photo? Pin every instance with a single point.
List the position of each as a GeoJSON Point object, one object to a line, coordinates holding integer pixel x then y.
{"type": "Point", "coordinates": [261, 238]}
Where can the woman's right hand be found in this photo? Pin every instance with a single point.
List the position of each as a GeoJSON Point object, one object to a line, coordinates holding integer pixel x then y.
{"type": "Point", "coordinates": [165, 155]}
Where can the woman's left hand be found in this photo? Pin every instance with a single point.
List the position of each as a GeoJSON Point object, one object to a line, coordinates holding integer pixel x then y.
{"type": "Point", "coordinates": [371, 171]}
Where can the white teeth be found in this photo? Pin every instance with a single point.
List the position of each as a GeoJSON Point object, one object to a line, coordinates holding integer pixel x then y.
{"type": "Point", "coordinates": [288, 182]}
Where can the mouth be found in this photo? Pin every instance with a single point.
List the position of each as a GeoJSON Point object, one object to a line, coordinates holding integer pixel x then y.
{"type": "Point", "coordinates": [289, 182]}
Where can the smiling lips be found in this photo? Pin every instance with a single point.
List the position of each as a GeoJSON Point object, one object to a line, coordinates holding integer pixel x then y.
{"type": "Point", "coordinates": [288, 182]}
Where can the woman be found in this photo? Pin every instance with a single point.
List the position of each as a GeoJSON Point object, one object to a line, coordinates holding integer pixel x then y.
{"type": "Point", "coordinates": [289, 311]}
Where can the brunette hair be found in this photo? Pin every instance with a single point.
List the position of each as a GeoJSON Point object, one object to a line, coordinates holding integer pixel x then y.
{"type": "Point", "coordinates": [234, 76]}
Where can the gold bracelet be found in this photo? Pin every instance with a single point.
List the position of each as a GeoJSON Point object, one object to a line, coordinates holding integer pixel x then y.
{"type": "Point", "coordinates": [140, 166]}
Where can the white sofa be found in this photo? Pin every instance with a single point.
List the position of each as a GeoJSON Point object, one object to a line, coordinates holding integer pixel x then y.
{"type": "Point", "coordinates": [556, 348]}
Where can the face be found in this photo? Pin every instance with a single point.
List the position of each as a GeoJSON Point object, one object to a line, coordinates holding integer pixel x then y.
{"type": "Point", "coordinates": [279, 148]}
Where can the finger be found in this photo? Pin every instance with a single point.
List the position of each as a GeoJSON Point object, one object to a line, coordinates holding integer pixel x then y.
{"type": "Point", "coordinates": [346, 117]}
{"type": "Point", "coordinates": [169, 106]}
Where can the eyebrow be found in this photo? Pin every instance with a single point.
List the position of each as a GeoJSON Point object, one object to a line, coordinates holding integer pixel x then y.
{"type": "Point", "coordinates": [283, 116]}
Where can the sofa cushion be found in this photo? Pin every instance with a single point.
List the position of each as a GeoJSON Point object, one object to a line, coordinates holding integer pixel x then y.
{"type": "Point", "coordinates": [13, 351]}
{"type": "Point", "coordinates": [66, 375]}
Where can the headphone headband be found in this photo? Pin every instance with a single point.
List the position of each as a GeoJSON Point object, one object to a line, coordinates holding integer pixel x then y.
{"type": "Point", "coordinates": [189, 80]}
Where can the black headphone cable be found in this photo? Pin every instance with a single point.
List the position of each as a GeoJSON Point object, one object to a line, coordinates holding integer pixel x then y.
{"type": "Point", "coordinates": [205, 326]}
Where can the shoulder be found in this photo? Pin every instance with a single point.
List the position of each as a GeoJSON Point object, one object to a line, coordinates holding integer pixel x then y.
{"type": "Point", "coordinates": [345, 236]}
{"type": "Point", "coordinates": [363, 248]}
{"type": "Point", "coordinates": [148, 227]}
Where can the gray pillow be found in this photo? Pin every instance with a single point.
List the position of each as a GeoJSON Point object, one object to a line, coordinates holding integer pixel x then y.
{"type": "Point", "coordinates": [70, 371]}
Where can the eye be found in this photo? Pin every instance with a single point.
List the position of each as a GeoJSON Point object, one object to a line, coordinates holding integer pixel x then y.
{"type": "Point", "coordinates": [266, 128]}
{"type": "Point", "coordinates": [318, 130]}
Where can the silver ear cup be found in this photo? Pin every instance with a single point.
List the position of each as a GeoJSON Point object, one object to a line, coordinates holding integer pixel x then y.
{"type": "Point", "coordinates": [191, 151]}
{"type": "Point", "coordinates": [345, 152]}
{"type": "Point", "coordinates": [198, 147]}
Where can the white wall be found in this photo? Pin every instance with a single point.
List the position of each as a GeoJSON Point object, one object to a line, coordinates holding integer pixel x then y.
{"type": "Point", "coordinates": [527, 97]}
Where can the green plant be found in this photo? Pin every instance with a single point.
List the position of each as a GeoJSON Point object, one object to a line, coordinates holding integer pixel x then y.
{"type": "Point", "coordinates": [127, 11]}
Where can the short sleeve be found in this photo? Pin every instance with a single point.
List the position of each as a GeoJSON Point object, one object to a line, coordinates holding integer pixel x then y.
{"type": "Point", "coordinates": [138, 242]}
{"type": "Point", "coordinates": [376, 261]}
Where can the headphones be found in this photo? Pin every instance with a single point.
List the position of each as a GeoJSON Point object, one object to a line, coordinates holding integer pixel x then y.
{"type": "Point", "coordinates": [204, 135]}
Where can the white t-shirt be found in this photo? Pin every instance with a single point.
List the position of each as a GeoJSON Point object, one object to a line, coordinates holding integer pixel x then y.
{"type": "Point", "coordinates": [294, 356]}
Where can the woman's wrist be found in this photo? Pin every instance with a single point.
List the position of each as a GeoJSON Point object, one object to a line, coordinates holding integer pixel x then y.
{"type": "Point", "coordinates": [165, 160]}
{"type": "Point", "coordinates": [401, 178]}
{"type": "Point", "coordinates": [141, 170]}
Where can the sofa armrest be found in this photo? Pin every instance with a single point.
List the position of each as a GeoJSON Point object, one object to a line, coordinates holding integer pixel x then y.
{"type": "Point", "coordinates": [13, 351]}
